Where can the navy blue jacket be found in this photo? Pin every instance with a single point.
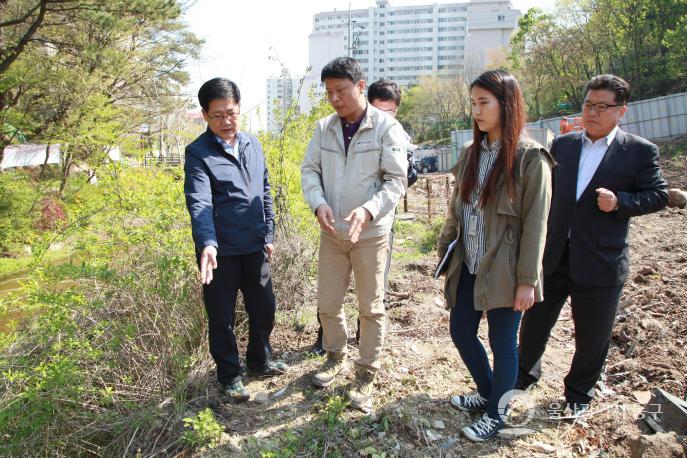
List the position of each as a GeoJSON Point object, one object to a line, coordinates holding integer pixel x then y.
{"type": "Point", "coordinates": [229, 200]}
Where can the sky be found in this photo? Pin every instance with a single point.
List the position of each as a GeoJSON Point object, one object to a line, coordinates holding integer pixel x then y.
{"type": "Point", "coordinates": [246, 40]}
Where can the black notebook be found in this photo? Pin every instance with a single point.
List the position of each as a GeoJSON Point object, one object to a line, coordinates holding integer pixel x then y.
{"type": "Point", "coordinates": [443, 263]}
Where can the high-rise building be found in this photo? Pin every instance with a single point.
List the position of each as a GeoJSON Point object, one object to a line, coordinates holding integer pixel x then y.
{"type": "Point", "coordinates": [280, 96]}
{"type": "Point", "coordinates": [403, 43]}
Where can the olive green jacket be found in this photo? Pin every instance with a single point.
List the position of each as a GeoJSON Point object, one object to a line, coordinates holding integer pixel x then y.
{"type": "Point", "coordinates": [515, 231]}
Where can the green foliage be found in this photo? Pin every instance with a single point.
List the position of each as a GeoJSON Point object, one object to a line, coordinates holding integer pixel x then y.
{"type": "Point", "coordinates": [91, 73]}
{"type": "Point", "coordinates": [17, 216]}
{"type": "Point", "coordinates": [420, 236]}
{"type": "Point", "coordinates": [554, 55]}
{"type": "Point", "coordinates": [203, 430]}
{"type": "Point", "coordinates": [285, 152]}
{"type": "Point", "coordinates": [113, 339]}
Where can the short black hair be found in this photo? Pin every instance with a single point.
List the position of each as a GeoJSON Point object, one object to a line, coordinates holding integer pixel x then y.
{"type": "Point", "coordinates": [615, 84]}
{"type": "Point", "coordinates": [343, 67]}
{"type": "Point", "coordinates": [384, 90]}
{"type": "Point", "coordinates": [218, 88]}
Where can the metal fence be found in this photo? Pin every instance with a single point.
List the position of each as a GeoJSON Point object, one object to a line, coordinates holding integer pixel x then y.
{"type": "Point", "coordinates": [654, 119]}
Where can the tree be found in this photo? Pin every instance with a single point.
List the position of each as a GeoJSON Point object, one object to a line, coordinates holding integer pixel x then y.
{"type": "Point", "coordinates": [553, 55]}
{"type": "Point", "coordinates": [436, 105]}
{"type": "Point", "coordinates": [90, 71]}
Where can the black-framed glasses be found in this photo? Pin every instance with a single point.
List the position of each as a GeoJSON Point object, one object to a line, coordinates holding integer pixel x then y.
{"type": "Point", "coordinates": [598, 107]}
{"type": "Point", "coordinates": [222, 117]}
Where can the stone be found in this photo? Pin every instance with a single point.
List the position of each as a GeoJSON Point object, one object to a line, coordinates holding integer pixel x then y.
{"type": "Point", "coordinates": [438, 424]}
{"type": "Point", "coordinates": [543, 448]}
{"type": "Point", "coordinates": [432, 436]}
{"type": "Point", "coordinates": [677, 198]}
{"type": "Point", "coordinates": [659, 445]}
{"type": "Point", "coordinates": [261, 398]}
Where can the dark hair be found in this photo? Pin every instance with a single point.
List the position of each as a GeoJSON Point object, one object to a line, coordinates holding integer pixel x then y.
{"type": "Point", "coordinates": [218, 88]}
{"type": "Point", "coordinates": [615, 84]}
{"type": "Point", "coordinates": [384, 90]}
{"type": "Point", "coordinates": [343, 67]}
{"type": "Point", "coordinates": [505, 88]}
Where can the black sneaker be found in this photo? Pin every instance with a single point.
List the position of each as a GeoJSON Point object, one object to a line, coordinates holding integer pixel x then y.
{"type": "Point", "coordinates": [469, 403]}
{"type": "Point", "coordinates": [483, 429]}
{"type": "Point", "coordinates": [235, 391]}
{"type": "Point", "coordinates": [270, 369]}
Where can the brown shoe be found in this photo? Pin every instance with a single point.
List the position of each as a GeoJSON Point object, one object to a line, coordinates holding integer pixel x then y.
{"type": "Point", "coordinates": [360, 393]}
{"type": "Point", "coordinates": [336, 364]}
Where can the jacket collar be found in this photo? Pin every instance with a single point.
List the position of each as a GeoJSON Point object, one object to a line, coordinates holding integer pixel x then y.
{"type": "Point", "coordinates": [243, 138]}
{"type": "Point", "coordinates": [368, 122]}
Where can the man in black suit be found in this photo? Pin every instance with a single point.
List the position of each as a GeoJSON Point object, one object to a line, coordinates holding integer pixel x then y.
{"type": "Point", "coordinates": [604, 176]}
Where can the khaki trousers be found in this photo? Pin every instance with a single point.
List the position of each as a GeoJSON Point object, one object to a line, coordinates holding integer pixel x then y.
{"type": "Point", "coordinates": [367, 259]}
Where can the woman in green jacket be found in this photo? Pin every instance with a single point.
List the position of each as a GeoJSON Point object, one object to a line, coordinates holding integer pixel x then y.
{"type": "Point", "coordinates": [497, 216]}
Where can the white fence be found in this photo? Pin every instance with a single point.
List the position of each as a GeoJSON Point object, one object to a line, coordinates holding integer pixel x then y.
{"type": "Point", "coordinates": [30, 155]}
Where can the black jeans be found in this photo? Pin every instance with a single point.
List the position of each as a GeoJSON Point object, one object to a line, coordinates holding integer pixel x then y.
{"type": "Point", "coordinates": [249, 273]}
{"type": "Point", "coordinates": [593, 312]}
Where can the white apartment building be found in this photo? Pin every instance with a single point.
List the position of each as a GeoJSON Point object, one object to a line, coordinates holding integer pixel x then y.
{"type": "Point", "coordinates": [280, 94]}
{"type": "Point", "coordinates": [403, 43]}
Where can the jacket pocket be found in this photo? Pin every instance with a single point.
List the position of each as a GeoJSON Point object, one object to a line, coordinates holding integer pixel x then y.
{"type": "Point", "coordinates": [612, 242]}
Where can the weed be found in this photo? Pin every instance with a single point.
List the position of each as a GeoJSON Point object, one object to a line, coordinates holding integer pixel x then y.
{"type": "Point", "coordinates": [203, 430]}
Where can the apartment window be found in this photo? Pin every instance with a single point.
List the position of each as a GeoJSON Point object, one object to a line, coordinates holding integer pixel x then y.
{"type": "Point", "coordinates": [501, 17]}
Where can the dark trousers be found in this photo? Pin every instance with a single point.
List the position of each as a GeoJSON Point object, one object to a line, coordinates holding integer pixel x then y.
{"type": "Point", "coordinates": [249, 273]}
{"type": "Point", "coordinates": [503, 330]}
{"type": "Point", "coordinates": [593, 312]}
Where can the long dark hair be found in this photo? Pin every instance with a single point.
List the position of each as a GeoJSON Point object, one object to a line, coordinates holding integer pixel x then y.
{"type": "Point", "coordinates": [505, 88]}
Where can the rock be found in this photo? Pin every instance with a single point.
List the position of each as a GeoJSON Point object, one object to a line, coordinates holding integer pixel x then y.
{"type": "Point", "coordinates": [646, 271]}
{"type": "Point", "coordinates": [516, 432]}
{"type": "Point", "coordinates": [432, 436]}
{"type": "Point", "coordinates": [438, 424]}
{"type": "Point", "coordinates": [543, 448]}
{"type": "Point", "coordinates": [280, 392]}
{"type": "Point", "coordinates": [643, 397]}
{"type": "Point", "coordinates": [261, 398]}
{"type": "Point", "coordinates": [659, 445]}
{"type": "Point", "coordinates": [677, 198]}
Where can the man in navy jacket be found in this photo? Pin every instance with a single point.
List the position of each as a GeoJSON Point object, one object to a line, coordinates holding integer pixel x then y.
{"type": "Point", "coordinates": [229, 201]}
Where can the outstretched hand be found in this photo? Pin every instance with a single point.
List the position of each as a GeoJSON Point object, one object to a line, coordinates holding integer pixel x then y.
{"type": "Point", "coordinates": [358, 218]}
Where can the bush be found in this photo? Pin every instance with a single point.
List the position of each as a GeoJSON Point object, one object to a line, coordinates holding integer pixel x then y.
{"type": "Point", "coordinates": [203, 430]}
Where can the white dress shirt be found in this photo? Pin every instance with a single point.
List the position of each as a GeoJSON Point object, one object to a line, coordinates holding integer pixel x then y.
{"type": "Point", "coordinates": [590, 157]}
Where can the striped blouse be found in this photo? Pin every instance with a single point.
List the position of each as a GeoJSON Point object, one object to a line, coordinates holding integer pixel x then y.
{"type": "Point", "coordinates": [473, 216]}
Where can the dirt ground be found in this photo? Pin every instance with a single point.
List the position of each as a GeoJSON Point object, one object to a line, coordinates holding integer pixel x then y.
{"type": "Point", "coordinates": [422, 369]}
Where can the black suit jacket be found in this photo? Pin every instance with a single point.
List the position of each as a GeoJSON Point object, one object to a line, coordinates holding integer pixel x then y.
{"type": "Point", "coordinates": [598, 240]}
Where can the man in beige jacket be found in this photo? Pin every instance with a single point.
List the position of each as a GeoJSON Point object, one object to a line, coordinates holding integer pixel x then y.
{"type": "Point", "coordinates": [352, 176]}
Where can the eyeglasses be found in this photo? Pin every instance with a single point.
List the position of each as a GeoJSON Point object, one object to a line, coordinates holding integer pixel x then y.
{"type": "Point", "coordinates": [222, 117]}
{"type": "Point", "coordinates": [391, 111]}
{"type": "Point", "coordinates": [598, 107]}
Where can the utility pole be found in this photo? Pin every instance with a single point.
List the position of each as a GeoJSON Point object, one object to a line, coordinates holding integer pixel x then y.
{"type": "Point", "coordinates": [350, 27]}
